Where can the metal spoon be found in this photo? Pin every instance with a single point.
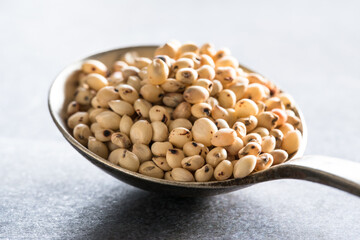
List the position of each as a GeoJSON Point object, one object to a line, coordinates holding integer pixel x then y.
{"type": "Point", "coordinates": [338, 173]}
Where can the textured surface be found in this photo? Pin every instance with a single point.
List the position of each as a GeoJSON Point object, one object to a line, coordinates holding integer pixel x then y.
{"type": "Point", "coordinates": [48, 191]}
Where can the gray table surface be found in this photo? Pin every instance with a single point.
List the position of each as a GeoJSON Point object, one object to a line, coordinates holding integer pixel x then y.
{"type": "Point", "coordinates": [48, 191]}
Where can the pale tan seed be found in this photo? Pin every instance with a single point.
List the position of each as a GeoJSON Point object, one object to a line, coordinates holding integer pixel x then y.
{"type": "Point", "coordinates": [103, 135]}
{"type": "Point", "coordinates": [83, 96]}
{"type": "Point", "coordinates": [200, 110]}
{"type": "Point", "coordinates": [187, 47]}
{"type": "Point", "coordinates": [170, 49]}
{"type": "Point", "coordinates": [195, 94]}
{"type": "Point", "coordinates": [227, 61]}
{"type": "Point", "coordinates": [182, 63]}
{"type": "Point", "coordinates": [161, 163]}
{"type": "Point", "coordinates": [128, 93]}
{"type": "Point", "coordinates": [158, 72]}
{"type": "Point", "coordinates": [279, 156]}
{"type": "Point", "coordinates": [194, 148]}
{"type": "Point", "coordinates": [193, 163]}
{"type": "Point", "coordinates": [240, 129]}
{"type": "Point", "coordinates": [250, 123]}
{"type": "Point", "coordinates": [268, 144]}
{"type": "Point", "coordinates": [121, 139]}
{"type": "Point", "coordinates": [263, 162]}
{"type": "Point", "coordinates": [219, 112]}
{"type": "Point", "coordinates": [205, 83]}
{"type": "Point", "coordinates": [221, 123]}
{"type": "Point", "coordinates": [142, 108]}
{"type": "Point", "coordinates": [206, 72]}
{"type": "Point", "coordinates": [149, 168]}
{"type": "Point", "coordinates": [252, 148]}
{"type": "Point", "coordinates": [223, 170]}
{"type": "Point", "coordinates": [203, 131]}
{"type": "Point", "coordinates": [216, 88]}
{"type": "Point", "coordinates": [135, 82]}
{"type": "Point", "coordinates": [98, 147]}
{"type": "Point", "coordinates": [182, 175]}
{"type": "Point", "coordinates": [226, 75]}
{"type": "Point", "coordinates": [227, 98]}
{"type": "Point", "coordinates": [291, 141]}
{"type": "Point", "coordinates": [244, 166]}
{"type": "Point", "coordinates": [278, 137]}
{"type": "Point", "coordinates": [125, 124]}
{"type": "Point", "coordinates": [168, 176]}
{"type": "Point", "coordinates": [141, 62]}
{"type": "Point", "coordinates": [96, 81]}
{"type": "Point", "coordinates": [208, 49]}
{"type": "Point", "coordinates": [141, 132]}
{"type": "Point", "coordinates": [246, 108]}
{"type": "Point", "coordinates": [179, 136]}
{"type": "Point", "coordinates": [160, 131]}
{"type": "Point", "coordinates": [72, 108]}
{"type": "Point", "coordinates": [159, 113]}
{"type": "Point", "coordinates": [216, 155]}
{"type": "Point", "coordinates": [121, 107]}
{"type": "Point", "coordinates": [223, 137]}
{"type": "Point", "coordinates": [107, 94]}
{"type": "Point", "coordinates": [267, 120]}
{"type": "Point", "coordinates": [186, 76]}
{"type": "Point", "coordinates": [152, 93]}
{"type": "Point", "coordinates": [231, 116]}
{"type": "Point", "coordinates": [115, 79]}
{"type": "Point", "coordinates": [142, 151]}
{"type": "Point", "coordinates": [108, 119]}
{"type": "Point", "coordinates": [235, 147]}
{"type": "Point", "coordinates": [130, 71]}
{"type": "Point", "coordinates": [172, 99]}
{"type": "Point", "coordinates": [180, 122]}
{"type": "Point", "coordinates": [183, 110]}
{"type": "Point", "coordinates": [174, 157]}
{"type": "Point", "coordinates": [95, 103]}
{"type": "Point", "coordinates": [172, 86]}
{"type": "Point", "coordinates": [212, 101]}
{"type": "Point", "coordinates": [239, 90]}
{"type": "Point", "coordinates": [76, 118]}
{"type": "Point", "coordinates": [95, 126]}
{"type": "Point", "coordinates": [115, 155]}
{"type": "Point", "coordinates": [111, 146]}
{"type": "Point", "coordinates": [161, 148]}
{"type": "Point", "coordinates": [204, 174]}
{"type": "Point", "coordinates": [94, 66]}
{"type": "Point", "coordinates": [255, 92]}
{"type": "Point", "coordinates": [81, 133]}
{"type": "Point", "coordinates": [252, 137]}
{"type": "Point", "coordinates": [285, 128]}
{"type": "Point", "coordinates": [94, 113]}
{"type": "Point", "coordinates": [263, 132]}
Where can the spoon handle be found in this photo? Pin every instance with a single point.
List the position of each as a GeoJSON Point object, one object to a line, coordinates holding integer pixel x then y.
{"type": "Point", "coordinates": [334, 172]}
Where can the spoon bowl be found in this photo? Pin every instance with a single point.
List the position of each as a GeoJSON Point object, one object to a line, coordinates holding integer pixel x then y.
{"type": "Point", "coordinates": [338, 173]}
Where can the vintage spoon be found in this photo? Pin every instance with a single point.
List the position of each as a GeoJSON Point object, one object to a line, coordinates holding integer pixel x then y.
{"type": "Point", "coordinates": [338, 173]}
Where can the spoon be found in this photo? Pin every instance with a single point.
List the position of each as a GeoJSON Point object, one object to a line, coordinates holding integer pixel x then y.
{"type": "Point", "coordinates": [338, 173]}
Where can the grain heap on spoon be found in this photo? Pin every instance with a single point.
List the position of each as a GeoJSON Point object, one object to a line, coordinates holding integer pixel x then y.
{"type": "Point", "coordinates": [189, 114]}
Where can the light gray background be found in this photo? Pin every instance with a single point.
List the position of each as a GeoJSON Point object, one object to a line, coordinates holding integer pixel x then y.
{"type": "Point", "coordinates": [48, 191]}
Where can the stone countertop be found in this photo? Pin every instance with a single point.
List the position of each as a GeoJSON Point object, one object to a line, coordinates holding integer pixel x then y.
{"type": "Point", "coordinates": [48, 191]}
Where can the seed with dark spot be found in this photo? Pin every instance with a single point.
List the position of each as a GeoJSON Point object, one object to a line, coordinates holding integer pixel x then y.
{"type": "Point", "coordinates": [252, 147]}
{"type": "Point", "coordinates": [188, 164]}
{"type": "Point", "coordinates": [186, 74]}
{"type": "Point", "coordinates": [173, 151]}
{"type": "Point", "coordinates": [194, 144]}
{"type": "Point", "coordinates": [207, 111]}
{"type": "Point", "coordinates": [206, 169]}
{"type": "Point", "coordinates": [116, 90]}
{"type": "Point", "coordinates": [107, 133]}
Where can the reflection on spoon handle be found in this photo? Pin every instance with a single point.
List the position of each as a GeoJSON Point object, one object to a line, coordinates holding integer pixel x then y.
{"type": "Point", "coordinates": [334, 172]}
